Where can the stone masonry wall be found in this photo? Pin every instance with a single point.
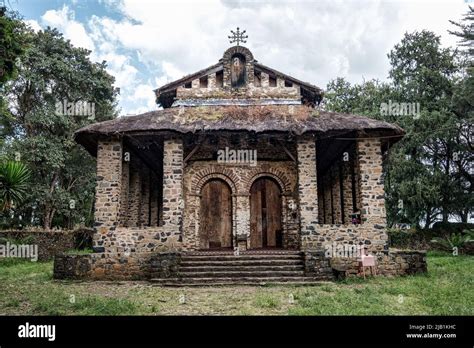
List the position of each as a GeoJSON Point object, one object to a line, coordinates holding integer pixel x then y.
{"type": "Point", "coordinates": [368, 168]}
{"type": "Point", "coordinates": [137, 236]}
{"type": "Point", "coordinates": [108, 190]}
{"type": "Point", "coordinates": [307, 186]}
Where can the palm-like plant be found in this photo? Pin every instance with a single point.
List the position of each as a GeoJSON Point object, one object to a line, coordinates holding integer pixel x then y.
{"type": "Point", "coordinates": [455, 240]}
{"type": "Point", "coordinates": [14, 177]}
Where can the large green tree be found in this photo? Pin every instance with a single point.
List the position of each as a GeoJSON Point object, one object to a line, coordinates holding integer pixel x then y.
{"type": "Point", "coordinates": [54, 73]}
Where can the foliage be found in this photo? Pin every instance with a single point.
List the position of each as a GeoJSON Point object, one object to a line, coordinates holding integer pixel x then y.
{"type": "Point", "coordinates": [14, 177]}
{"type": "Point", "coordinates": [455, 240]}
{"type": "Point", "coordinates": [53, 72]}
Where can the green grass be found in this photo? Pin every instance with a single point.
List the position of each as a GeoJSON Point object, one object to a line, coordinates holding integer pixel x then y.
{"type": "Point", "coordinates": [28, 288]}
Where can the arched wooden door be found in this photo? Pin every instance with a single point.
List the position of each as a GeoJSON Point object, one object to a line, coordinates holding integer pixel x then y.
{"type": "Point", "coordinates": [265, 214]}
{"type": "Point", "coordinates": [215, 229]}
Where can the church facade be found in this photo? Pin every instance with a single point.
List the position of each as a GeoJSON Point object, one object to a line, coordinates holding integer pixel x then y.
{"type": "Point", "coordinates": [239, 162]}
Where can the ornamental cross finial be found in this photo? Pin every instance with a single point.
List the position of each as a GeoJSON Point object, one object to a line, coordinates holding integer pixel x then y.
{"type": "Point", "coordinates": [238, 36]}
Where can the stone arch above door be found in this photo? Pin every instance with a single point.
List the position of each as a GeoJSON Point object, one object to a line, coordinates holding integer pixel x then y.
{"type": "Point", "coordinates": [285, 183]}
{"type": "Point", "coordinates": [202, 177]}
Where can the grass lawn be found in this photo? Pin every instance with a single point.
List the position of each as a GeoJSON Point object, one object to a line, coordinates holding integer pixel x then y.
{"type": "Point", "coordinates": [27, 288]}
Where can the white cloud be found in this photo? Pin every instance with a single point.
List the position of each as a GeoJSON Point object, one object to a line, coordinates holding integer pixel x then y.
{"type": "Point", "coordinates": [73, 30]}
{"type": "Point", "coordinates": [33, 24]}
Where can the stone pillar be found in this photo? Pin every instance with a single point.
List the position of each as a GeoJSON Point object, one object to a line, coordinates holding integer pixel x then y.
{"type": "Point", "coordinates": [134, 196]}
{"type": "Point", "coordinates": [242, 221]}
{"type": "Point", "coordinates": [195, 83]}
{"type": "Point", "coordinates": [371, 182]}
{"type": "Point", "coordinates": [124, 194]}
{"type": "Point", "coordinates": [264, 79]}
{"type": "Point", "coordinates": [347, 190]}
{"type": "Point", "coordinates": [145, 197]}
{"type": "Point", "coordinates": [173, 203]}
{"type": "Point", "coordinates": [107, 193]}
{"type": "Point", "coordinates": [280, 82]}
{"type": "Point", "coordinates": [154, 209]}
{"type": "Point", "coordinates": [328, 201]}
{"type": "Point", "coordinates": [336, 193]}
{"type": "Point", "coordinates": [211, 82]}
{"type": "Point", "coordinates": [307, 185]}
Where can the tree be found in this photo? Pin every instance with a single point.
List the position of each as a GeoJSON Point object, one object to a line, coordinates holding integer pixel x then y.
{"type": "Point", "coordinates": [14, 177]}
{"type": "Point", "coordinates": [54, 84]}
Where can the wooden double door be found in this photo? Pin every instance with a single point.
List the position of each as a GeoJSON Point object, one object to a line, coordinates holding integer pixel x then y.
{"type": "Point", "coordinates": [215, 231]}
{"type": "Point", "coordinates": [265, 214]}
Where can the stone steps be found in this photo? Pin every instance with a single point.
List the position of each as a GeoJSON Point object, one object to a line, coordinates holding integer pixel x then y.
{"type": "Point", "coordinates": [210, 268]}
{"type": "Point", "coordinates": [249, 263]}
{"type": "Point", "coordinates": [185, 258]}
{"type": "Point", "coordinates": [226, 281]}
{"type": "Point", "coordinates": [243, 267]}
{"type": "Point", "coordinates": [239, 274]}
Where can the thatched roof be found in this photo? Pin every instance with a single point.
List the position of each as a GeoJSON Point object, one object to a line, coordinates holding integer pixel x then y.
{"type": "Point", "coordinates": [296, 119]}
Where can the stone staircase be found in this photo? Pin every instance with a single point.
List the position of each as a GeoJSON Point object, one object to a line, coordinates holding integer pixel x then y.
{"type": "Point", "coordinates": [210, 268]}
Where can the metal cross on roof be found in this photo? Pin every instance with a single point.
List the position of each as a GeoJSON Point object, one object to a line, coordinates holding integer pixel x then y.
{"type": "Point", "coordinates": [238, 36]}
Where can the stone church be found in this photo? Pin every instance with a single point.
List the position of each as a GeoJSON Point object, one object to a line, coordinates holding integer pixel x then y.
{"type": "Point", "coordinates": [238, 177]}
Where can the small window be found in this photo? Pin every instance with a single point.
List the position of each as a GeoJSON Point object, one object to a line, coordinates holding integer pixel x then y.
{"type": "Point", "coordinates": [203, 82]}
{"type": "Point", "coordinates": [257, 82]}
{"type": "Point", "coordinates": [188, 85]}
{"type": "Point", "coordinates": [220, 78]}
{"type": "Point", "coordinates": [288, 83]}
{"type": "Point", "coordinates": [272, 81]}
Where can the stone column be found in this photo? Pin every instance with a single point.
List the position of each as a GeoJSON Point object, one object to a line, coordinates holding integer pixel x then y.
{"type": "Point", "coordinates": [347, 190]}
{"type": "Point", "coordinates": [371, 182]}
{"type": "Point", "coordinates": [124, 194]}
{"type": "Point", "coordinates": [264, 80]}
{"type": "Point", "coordinates": [173, 203]}
{"type": "Point", "coordinates": [134, 195]}
{"type": "Point", "coordinates": [145, 196]}
{"type": "Point", "coordinates": [107, 193]}
{"type": "Point", "coordinates": [336, 193]}
{"type": "Point", "coordinates": [154, 209]}
{"type": "Point", "coordinates": [211, 83]}
{"type": "Point", "coordinates": [307, 185]}
{"type": "Point", "coordinates": [242, 220]}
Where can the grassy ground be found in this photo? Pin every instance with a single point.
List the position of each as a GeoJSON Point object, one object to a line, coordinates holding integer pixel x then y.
{"type": "Point", "coordinates": [27, 288]}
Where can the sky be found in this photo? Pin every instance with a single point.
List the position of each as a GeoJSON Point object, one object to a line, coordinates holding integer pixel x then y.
{"type": "Point", "coordinates": [149, 43]}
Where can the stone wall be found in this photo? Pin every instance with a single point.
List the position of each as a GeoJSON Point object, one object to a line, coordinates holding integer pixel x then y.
{"type": "Point", "coordinates": [373, 236]}
{"type": "Point", "coordinates": [49, 243]}
{"type": "Point", "coordinates": [307, 186]}
{"type": "Point", "coordinates": [366, 158]}
{"type": "Point", "coordinates": [136, 230]}
{"type": "Point", "coordinates": [388, 263]}
{"type": "Point", "coordinates": [108, 191]}
{"type": "Point", "coordinates": [117, 266]}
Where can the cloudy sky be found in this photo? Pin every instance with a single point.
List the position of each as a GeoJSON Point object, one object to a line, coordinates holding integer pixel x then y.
{"type": "Point", "coordinates": [149, 43]}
